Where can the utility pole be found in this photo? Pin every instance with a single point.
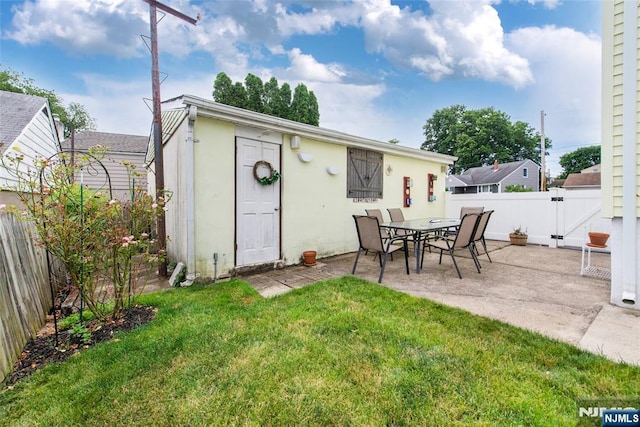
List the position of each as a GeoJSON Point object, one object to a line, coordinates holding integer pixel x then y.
{"type": "Point", "coordinates": [543, 181]}
{"type": "Point", "coordinates": [157, 116]}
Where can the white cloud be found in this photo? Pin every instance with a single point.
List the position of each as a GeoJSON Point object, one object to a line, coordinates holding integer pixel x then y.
{"type": "Point", "coordinates": [459, 39]}
{"type": "Point", "coordinates": [306, 68]}
{"type": "Point", "coordinates": [555, 69]}
{"type": "Point", "coordinates": [567, 65]}
{"type": "Point", "coordinates": [318, 20]}
{"type": "Point", "coordinates": [348, 108]}
{"type": "Point", "coordinates": [121, 107]}
{"type": "Point", "coordinates": [82, 27]}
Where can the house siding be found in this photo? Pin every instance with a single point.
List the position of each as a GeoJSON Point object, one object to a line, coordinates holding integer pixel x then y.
{"type": "Point", "coordinates": [119, 177]}
{"type": "Point", "coordinates": [531, 181]}
{"type": "Point", "coordinates": [174, 179]}
{"type": "Point", "coordinates": [307, 212]}
{"type": "Point", "coordinates": [613, 103]}
{"type": "Point", "coordinates": [37, 140]}
{"type": "Point", "coordinates": [214, 196]}
{"type": "Point", "coordinates": [621, 146]}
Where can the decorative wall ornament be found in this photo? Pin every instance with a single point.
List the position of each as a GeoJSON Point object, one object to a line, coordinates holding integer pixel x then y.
{"type": "Point", "coordinates": [269, 179]}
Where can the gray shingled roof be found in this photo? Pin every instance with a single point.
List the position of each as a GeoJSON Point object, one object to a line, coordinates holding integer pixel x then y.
{"type": "Point", "coordinates": [582, 180]}
{"type": "Point", "coordinates": [116, 142]}
{"type": "Point", "coordinates": [16, 112]}
{"type": "Point", "coordinates": [488, 175]}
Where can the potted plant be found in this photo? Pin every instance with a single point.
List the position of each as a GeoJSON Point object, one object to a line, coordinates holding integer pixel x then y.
{"type": "Point", "coordinates": [518, 237]}
{"type": "Point", "coordinates": [309, 258]}
{"type": "Point", "coordinates": [597, 239]}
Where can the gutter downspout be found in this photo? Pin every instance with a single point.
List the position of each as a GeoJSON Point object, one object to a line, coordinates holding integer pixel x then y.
{"type": "Point", "coordinates": [189, 201]}
{"type": "Point", "coordinates": [629, 166]}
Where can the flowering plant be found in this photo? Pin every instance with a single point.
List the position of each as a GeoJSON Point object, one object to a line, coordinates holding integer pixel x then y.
{"type": "Point", "coordinates": [106, 245]}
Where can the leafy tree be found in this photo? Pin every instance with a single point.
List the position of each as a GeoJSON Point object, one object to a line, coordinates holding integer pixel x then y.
{"type": "Point", "coordinates": [480, 137]}
{"type": "Point", "coordinates": [268, 98]}
{"type": "Point", "coordinates": [229, 93]}
{"type": "Point", "coordinates": [394, 141]}
{"type": "Point", "coordinates": [580, 159]}
{"type": "Point", "coordinates": [74, 116]}
{"type": "Point", "coordinates": [314, 110]}
{"type": "Point", "coordinates": [255, 93]}
{"type": "Point", "coordinates": [78, 118]}
{"type": "Point", "coordinates": [304, 107]}
{"type": "Point", "coordinates": [238, 95]}
{"type": "Point", "coordinates": [282, 105]}
{"type": "Point", "coordinates": [517, 188]}
{"type": "Point", "coordinates": [222, 89]}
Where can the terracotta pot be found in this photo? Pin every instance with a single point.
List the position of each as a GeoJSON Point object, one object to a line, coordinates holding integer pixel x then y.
{"type": "Point", "coordinates": [598, 239]}
{"type": "Point", "coordinates": [309, 258]}
{"type": "Point", "coordinates": [518, 239]}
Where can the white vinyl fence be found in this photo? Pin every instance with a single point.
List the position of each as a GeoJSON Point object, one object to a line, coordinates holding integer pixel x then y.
{"type": "Point", "coordinates": [555, 218]}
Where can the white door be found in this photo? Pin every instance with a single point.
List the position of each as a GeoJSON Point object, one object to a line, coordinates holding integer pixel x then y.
{"type": "Point", "coordinates": [258, 206]}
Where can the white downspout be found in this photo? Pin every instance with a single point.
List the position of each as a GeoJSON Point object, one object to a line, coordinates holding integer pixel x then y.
{"type": "Point", "coordinates": [189, 201]}
{"type": "Point", "coordinates": [629, 166]}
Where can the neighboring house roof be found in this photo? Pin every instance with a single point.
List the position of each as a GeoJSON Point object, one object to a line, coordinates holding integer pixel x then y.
{"type": "Point", "coordinates": [592, 169]}
{"type": "Point", "coordinates": [455, 181]}
{"type": "Point", "coordinates": [17, 110]}
{"type": "Point", "coordinates": [486, 175]}
{"type": "Point", "coordinates": [583, 180]}
{"type": "Point", "coordinates": [116, 142]}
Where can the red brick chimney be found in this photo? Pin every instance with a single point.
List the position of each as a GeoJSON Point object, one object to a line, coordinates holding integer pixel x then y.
{"type": "Point", "coordinates": [495, 165]}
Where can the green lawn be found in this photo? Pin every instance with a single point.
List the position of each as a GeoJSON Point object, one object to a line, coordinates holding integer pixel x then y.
{"type": "Point", "coordinates": [341, 351]}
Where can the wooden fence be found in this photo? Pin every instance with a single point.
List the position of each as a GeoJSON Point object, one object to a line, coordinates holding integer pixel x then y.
{"type": "Point", "coordinates": [25, 296]}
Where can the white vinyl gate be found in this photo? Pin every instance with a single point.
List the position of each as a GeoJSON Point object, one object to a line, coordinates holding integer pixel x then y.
{"type": "Point", "coordinates": [555, 218]}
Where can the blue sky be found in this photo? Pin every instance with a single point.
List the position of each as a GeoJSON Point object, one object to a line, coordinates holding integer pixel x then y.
{"type": "Point", "coordinates": [379, 68]}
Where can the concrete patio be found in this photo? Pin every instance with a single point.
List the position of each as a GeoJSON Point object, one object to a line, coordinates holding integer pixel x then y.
{"type": "Point", "coordinates": [533, 287]}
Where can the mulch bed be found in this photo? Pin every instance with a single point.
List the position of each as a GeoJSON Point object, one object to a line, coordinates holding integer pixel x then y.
{"type": "Point", "coordinates": [41, 351]}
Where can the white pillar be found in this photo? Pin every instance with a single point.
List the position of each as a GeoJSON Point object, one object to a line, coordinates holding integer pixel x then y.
{"type": "Point", "coordinates": [625, 287]}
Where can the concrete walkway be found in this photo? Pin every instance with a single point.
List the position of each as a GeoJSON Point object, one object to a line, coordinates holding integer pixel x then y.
{"type": "Point", "coordinates": [533, 287]}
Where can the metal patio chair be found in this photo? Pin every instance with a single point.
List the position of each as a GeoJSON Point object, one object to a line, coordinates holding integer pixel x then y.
{"type": "Point", "coordinates": [396, 215]}
{"type": "Point", "coordinates": [386, 234]}
{"type": "Point", "coordinates": [370, 239]}
{"type": "Point", "coordinates": [478, 236]}
{"type": "Point", "coordinates": [463, 239]}
{"type": "Point", "coordinates": [471, 209]}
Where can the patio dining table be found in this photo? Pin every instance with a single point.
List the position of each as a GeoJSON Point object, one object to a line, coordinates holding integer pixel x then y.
{"type": "Point", "coordinates": [419, 229]}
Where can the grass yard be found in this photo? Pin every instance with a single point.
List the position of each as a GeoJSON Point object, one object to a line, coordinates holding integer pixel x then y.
{"type": "Point", "coordinates": [342, 351]}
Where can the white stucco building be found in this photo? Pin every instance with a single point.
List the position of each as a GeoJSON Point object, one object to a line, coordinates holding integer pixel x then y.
{"type": "Point", "coordinates": [213, 153]}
